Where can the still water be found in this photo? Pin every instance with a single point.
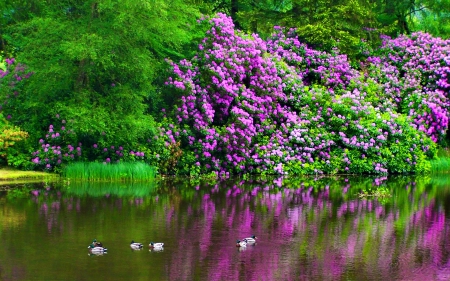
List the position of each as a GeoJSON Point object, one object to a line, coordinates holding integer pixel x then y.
{"type": "Point", "coordinates": [307, 229]}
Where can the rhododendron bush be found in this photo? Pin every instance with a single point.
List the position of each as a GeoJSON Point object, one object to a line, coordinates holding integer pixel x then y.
{"type": "Point", "coordinates": [277, 106]}
{"type": "Point", "coordinates": [413, 72]}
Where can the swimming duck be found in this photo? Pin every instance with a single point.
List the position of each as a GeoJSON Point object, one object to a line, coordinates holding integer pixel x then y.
{"type": "Point", "coordinates": [96, 250]}
{"type": "Point", "coordinates": [250, 240]}
{"type": "Point", "coordinates": [135, 245]}
{"type": "Point", "coordinates": [240, 243]}
{"type": "Point", "coordinates": [91, 254]}
{"type": "Point", "coordinates": [156, 245]}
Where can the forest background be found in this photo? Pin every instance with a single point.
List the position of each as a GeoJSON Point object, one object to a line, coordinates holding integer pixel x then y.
{"type": "Point", "coordinates": [222, 87]}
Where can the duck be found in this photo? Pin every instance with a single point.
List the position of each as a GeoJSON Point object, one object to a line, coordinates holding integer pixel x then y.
{"type": "Point", "coordinates": [240, 243]}
{"type": "Point", "coordinates": [96, 249]}
{"type": "Point", "coordinates": [135, 245]}
{"type": "Point", "coordinates": [156, 245]}
{"type": "Point", "coordinates": [250, 240]}
{"type": "Point", "coordinates": [91, 254]}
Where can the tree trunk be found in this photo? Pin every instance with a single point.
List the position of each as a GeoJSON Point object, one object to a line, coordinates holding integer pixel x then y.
{"type": "Point", "coordinates": [234, 11]}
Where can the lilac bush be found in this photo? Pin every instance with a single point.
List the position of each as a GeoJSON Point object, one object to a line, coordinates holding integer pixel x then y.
{"type": "Point", "coordinates": [276, 106]}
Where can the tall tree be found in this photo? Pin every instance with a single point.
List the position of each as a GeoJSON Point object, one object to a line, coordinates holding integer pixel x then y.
{"type": "Point", "coordinates": [322, 23]}
{"type": "Point", "coordinates": [94, 61]}
{"type": "Point", "coordinates": [432, 17]}
{"type": "Point", "coordinates": [405, 16]}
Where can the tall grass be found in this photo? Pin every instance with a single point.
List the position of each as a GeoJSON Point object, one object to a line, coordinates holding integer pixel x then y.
{"type": "Point", "coordinates": [440, 165]}
{"type": "Point", "coordinates": [94, 171]}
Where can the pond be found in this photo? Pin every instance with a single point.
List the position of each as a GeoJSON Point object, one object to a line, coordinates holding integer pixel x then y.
{"type": "Point", "coordinates": [306, 228]}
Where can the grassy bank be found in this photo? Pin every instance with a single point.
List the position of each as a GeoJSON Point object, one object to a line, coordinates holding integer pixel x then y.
{"type": "Point", "coordinates": [8, 174]}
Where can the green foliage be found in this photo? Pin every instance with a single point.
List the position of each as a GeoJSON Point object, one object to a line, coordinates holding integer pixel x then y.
{"type": "Point", "coordinates": [405, 146]}
{"type": "Point", "coordinates": [100, 65]}
{"type": "Point", "coordinates": [11, 140]}
{"type": "Point", "coordinates": [405, 17]}
{"type": "Point", "coordinates": [94, 62]}
{"type": "Point", "coordinates": [432, 17]}
{"type": "Point", "coordinates": [328, 24]}
{"type": "Point", "coordinates": [322, 24]}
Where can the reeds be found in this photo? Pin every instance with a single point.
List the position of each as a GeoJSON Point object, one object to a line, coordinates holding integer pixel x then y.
{"type": "Point", "coordinates": [440, 165]}
{"type": "Point", "coordinates": [94, 171]}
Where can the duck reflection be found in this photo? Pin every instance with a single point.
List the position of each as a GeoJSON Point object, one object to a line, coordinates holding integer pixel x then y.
{"type": "Point", "coordinates": [158, 249]}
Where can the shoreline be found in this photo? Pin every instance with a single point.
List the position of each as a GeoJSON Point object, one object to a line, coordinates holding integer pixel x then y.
{"type": "Point", "coordinates": [15, 176]}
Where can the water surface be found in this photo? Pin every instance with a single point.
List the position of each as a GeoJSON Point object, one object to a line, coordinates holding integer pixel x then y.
{"type": "Point", "coordinates": [307, 229]}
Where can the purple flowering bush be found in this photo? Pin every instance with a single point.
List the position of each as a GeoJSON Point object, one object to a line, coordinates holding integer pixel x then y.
{"type": "Point", "coordinates": [414, 73]}
{"type": "Point", "coordinates": [58, 147]}
{"type": "Point", "coordinates": [249, 105]}
{"type": "Point", "coordinates": [11, 84]}
{"type": "Point", "coordinates": [61, 145]}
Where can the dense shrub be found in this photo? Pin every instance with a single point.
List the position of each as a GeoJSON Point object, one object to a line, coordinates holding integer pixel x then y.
{"type": "Point", "coordinates": [10, 137]}
{"type": "Point", "coordinates": [62, 145]}
{"type": "Point", "coordinates": [414, 73]}
{"type": "Point", "coordinates": [276, 106]}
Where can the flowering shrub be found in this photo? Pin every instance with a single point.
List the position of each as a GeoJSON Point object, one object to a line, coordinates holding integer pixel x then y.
{"type": "Point", "coordinates": [58, 147]}
{"type": "Point", "coordinates": [61, 145]}
{"type": "Point", "coordinates": [11, 83]}
{"type": "Point", "coordinates": [275, 106]}
{"type": "Point", "coordinates": [414, 72]}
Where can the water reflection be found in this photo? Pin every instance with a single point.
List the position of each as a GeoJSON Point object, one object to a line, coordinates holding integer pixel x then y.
{"type": "Point", "coordinates": [308, 229]}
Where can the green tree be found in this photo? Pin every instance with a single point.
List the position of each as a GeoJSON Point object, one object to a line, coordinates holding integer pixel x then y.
{"type": "Point", "coordinates": [432, 17]}
{"type": "Point", "coordinates": [94, 61]}
{"type": "Point", "coordinates": [406, 16]}
{"type": "Point", "coordinates": [323, 24]}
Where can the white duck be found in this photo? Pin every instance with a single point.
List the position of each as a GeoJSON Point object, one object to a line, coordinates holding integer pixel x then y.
{"type": "Point", "coordinates": [96, 250]}
{"type": "Point", "coordinates": [135, 245]}
{"type": "Point", "coordinates": [156, 245]}
{"type": "Point", "coordinates": [250, 240]}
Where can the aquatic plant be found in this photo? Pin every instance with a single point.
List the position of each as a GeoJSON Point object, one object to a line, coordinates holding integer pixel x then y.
{"type": "Point", "coordinates": [440, 165]}
{"type": "Point", "coordinates": [124, 171]}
